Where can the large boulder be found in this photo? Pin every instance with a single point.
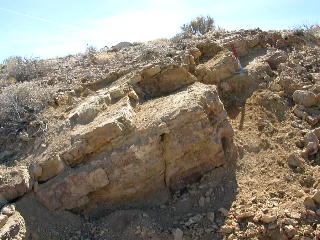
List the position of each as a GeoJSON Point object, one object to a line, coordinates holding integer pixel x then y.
{"type": "Point", "coordinates": [126, 155]}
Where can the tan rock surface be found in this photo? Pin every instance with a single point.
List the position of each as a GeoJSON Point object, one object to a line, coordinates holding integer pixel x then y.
{"type": "Point", "coordinates": [169, 142]}
{"type": "Point", "coordinates": [51, 166]}
{"type": "Point", "coordinates": [221, 66]}
{"type": "Point", "coordinates": [14, 228]}
{"type": "Point", "coordinates": [305, 98]}
{"type": "Point", "coordinates": [14, 183]}
{"type": "Point", "coordinates": [170, 78]}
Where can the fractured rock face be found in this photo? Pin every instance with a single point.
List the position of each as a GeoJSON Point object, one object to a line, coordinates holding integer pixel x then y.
{"type": "Point", "coordinates": [128, 154]}
{"type": "Point", "coordinates": [275, 57]}
{"type": "Point", "coordinates": [293, 77]}
{"type": "Point", "coordinates": [222, 66]}
{"type": "Point", "coordinates": [244, 84]}
{"type": "Point", "coordinates": [86, 112]}
{"type": "Point", "coordinates": [208, 49]}
{"type": "Point", "coordinates": [157, 83]}
{"type": "Point", "coordinates": [88, 139]}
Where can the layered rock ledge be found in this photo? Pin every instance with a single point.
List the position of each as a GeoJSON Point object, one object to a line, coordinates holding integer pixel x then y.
{"type": "Point", "coordinates": [128, 154]}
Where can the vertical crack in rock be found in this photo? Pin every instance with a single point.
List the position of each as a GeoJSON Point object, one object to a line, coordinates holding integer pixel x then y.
{"type": "Point", "coordinates": [162, 142]}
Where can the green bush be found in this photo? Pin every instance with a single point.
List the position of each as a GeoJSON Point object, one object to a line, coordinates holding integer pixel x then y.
{"type": "Point", "coordinates": [200, 25]}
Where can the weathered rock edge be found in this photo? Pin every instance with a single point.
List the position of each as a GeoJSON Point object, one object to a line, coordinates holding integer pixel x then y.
{"type": "Point", "coordinates": [134, 153]}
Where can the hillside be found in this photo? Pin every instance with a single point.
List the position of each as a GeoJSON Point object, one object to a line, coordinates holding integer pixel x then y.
{"type": "Point", "coordinates": [165, 140]}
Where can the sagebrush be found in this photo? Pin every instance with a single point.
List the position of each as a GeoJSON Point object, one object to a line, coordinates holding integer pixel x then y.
{"type": "Point", "coordinates": [90, 56]}
{"type": "Point", "coordinates": [200, 25]}
{"type": "Point", "coordinates": [25, 69]}
{"type": "Point", "coordinates": [19, 105]}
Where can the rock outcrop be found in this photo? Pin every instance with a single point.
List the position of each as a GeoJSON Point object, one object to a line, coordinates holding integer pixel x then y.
{"type": "Point", "coordinates": [222, 66]}
{"type": "Point", "coordinates": [128, 154]}
{"type": "Point", "coordinates": [156, 82]}
{"type": "Point", "coordinates": [142, 124]}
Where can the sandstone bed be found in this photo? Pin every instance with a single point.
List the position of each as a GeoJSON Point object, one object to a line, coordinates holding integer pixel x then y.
{"type": "Point", "coordinates": [162, 140]}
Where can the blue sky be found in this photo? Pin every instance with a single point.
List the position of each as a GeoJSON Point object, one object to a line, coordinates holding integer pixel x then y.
{"type": "Point", "coordinates": [43, 28]}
